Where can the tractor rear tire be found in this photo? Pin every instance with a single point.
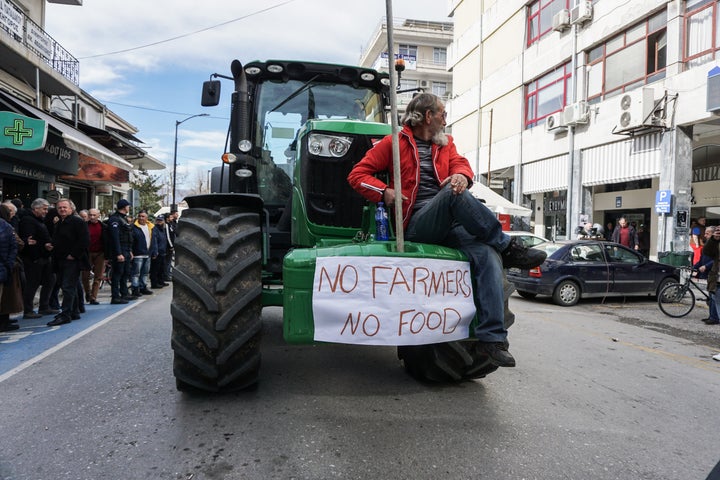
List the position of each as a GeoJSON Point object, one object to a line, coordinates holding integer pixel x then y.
{"type": "Point", "coordinates": [452, 361]}
{"type": "Point", "coordinates": [216, 306]}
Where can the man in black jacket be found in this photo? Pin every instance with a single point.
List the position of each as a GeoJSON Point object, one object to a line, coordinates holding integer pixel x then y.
{"type": "Point", "coordinates": [36, 259]}
{"type": "Point", "coordinates": [121, 242]}
{"type": "Point", "coordinates": [70, 255]}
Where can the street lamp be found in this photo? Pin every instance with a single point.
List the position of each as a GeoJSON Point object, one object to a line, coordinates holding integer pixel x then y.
{"type": "Point", "coordinates": [177, 123]}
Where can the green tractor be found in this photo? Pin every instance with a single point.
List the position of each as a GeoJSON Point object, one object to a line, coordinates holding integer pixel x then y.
{"type": "Point", "coordinates": [284, 228]}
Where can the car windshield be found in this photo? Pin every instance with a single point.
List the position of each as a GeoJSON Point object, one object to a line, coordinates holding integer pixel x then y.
{"type": "Point", "coordinates": [528, 239]}
{"type": "Point", "coordinates": [284, 107]}
{"type": "Point", "coordinates": [549, 248]}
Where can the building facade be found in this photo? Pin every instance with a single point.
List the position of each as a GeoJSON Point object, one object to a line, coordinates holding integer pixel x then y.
{"type": "Point", "coordinates": [89, 151]}
{"type": "Point", "coordinates": [593, 110]}
{"type": "Point", "coordinates": [423, 47]}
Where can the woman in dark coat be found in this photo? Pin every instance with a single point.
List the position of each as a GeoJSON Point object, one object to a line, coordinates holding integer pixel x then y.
{"type": "Point", "coordinates": [11, 269]}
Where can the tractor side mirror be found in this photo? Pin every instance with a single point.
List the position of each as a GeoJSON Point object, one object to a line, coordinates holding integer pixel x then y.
{"type": "Point", "coordinates": [210, 93]}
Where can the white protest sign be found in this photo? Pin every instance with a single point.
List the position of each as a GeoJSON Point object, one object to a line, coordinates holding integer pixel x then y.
{"type": "Point", "coordinates": [391, 300]}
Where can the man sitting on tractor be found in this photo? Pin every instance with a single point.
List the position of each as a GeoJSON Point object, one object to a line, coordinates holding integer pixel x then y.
{"type": "Point", "coordinates": [438, 208]}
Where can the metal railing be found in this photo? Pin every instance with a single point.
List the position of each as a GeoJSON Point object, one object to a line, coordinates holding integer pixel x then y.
{"type": "Point", "coordinates": [28, 33]}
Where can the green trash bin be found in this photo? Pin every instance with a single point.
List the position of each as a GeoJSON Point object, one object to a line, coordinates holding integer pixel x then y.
{"type": "Point", "coordinates": [676, 259]}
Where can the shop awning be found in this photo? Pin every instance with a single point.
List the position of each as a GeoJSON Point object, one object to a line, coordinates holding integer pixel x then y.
{"type": "Point", "coordinates": [73, 138]}
{"type": "Point", "coordinates": [546, 175]}
{"type": "Point", "coordinates": [125, 144]}
{"type": "Point", "coordinates": [497, 203]}
{"type": "Point", "coordinates": [633, 159]}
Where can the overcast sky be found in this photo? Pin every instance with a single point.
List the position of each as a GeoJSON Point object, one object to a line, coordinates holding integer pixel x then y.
{"type": "Point", "coordinates": [152, 87]}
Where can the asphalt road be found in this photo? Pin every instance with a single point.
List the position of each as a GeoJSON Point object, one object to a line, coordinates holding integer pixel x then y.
{"type": "Point", "coordinates": [602, 391]}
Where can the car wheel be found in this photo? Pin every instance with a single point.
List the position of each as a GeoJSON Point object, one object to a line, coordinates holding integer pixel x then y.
{"type": "Point", "coordinates": [528, 295]}
{"type": "Point", "coordinates": [664, 283]}
{"type": "Point", "coordinates": [567, 293]}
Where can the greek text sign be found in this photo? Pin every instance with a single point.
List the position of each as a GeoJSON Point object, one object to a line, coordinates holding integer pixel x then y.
{"type": "Point", "coordinates": [11, 18]}
{"type": "Point", "coordinates": [391, 300]}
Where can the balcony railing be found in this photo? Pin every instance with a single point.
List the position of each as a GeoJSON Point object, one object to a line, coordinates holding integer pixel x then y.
{"type": "Point", "coordinates": [28, 33]}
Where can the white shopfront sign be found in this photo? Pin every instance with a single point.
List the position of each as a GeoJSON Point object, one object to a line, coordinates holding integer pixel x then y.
{"type": "Point", "coordinates": [11, 19]}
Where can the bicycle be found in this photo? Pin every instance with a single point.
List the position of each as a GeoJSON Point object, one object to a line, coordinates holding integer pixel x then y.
{"type": "Point", "coordinates": [678, 299]}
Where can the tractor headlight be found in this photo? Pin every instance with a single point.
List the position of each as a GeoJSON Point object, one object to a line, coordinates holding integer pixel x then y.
{"type": "Point", "coordinates": [244, 146]}
{"type": "Point", "coordinates": [328, 145]}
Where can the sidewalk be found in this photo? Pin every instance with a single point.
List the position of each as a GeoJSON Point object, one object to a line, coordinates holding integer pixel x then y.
{"type": "Point", "coordinates": [34, 339]}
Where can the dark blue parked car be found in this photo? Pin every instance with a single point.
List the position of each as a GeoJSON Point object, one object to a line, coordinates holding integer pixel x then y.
{"type": "Point", "coordinates": [591, 268]}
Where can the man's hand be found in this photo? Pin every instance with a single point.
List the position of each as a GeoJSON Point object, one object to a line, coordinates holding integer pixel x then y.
{"type": "Point", "coordinates": [458, 182]}
{"type": "Point", "coordinates": [389, 197]}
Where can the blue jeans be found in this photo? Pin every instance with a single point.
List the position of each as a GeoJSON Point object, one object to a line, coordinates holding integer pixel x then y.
{"type": "Point", "coordinates": [714, 303]}
{"type": "Point", "coordinates": [465, 223]}
{"type": "Point", "coordinates": [140, 269]}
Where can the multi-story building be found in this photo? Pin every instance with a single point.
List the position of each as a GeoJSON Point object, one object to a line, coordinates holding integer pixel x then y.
{"type": "Point", "coordinates": [88, 151]}
{"type": "Point", "coordinates": [592, 110]}
{"type": "Point", "coordinates": [423, 47]}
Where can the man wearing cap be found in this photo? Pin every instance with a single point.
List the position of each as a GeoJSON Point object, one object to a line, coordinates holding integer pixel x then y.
{"type": "Point", "coordinates": [121, 242]}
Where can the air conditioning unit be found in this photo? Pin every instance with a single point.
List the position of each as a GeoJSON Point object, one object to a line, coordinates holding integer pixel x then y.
{"type": "Point", "coordinates": [423, 83]}
{"type": "Point", "coordinates": [82, 113]}
{"type": "Point", "coordinates": [637, 109]}
{"type": "Point", "coordinates": [582, 12]}
{"type": "Point", "coordinates": [561, 20]}
{"type": "Point", "coordinates": [555, 123]}
{"type": "Point", "coordinates": [577, 113]}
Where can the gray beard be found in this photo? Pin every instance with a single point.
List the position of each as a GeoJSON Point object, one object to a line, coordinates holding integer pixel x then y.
{"type": "Point", "coordinates": [440, 138]}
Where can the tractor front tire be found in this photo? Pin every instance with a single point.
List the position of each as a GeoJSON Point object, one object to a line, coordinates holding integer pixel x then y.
{"type": "Point", "coordinates": [445, 362]}
{"type": "Point", "coordinates": [216, 306]}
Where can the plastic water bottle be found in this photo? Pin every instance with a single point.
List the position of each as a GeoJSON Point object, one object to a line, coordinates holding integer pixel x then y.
{"type": "Point", "coordinates": [381, 223]}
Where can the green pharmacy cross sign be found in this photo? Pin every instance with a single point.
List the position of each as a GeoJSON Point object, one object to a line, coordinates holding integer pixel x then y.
{"type": "Point", "coordinates": [21, 133]}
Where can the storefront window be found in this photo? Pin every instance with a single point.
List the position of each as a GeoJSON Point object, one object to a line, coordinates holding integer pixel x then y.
{"type": "Point", "coordinates": [555, 209]}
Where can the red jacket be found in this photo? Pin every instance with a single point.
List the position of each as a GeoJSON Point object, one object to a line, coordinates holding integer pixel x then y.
{"type": "Point", "coordinates": [379, 159]}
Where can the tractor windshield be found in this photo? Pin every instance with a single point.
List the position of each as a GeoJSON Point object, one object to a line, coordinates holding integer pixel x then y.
{"type": "Point", "coordinates": [283, 108]}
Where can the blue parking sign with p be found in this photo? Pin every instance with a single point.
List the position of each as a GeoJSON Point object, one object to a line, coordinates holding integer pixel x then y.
{"type": "Point", "coordinates": [662, 201]}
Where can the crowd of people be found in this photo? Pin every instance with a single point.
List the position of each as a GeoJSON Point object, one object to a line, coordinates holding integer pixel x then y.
{"type": "Point", "coordinates": [66, 254]}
